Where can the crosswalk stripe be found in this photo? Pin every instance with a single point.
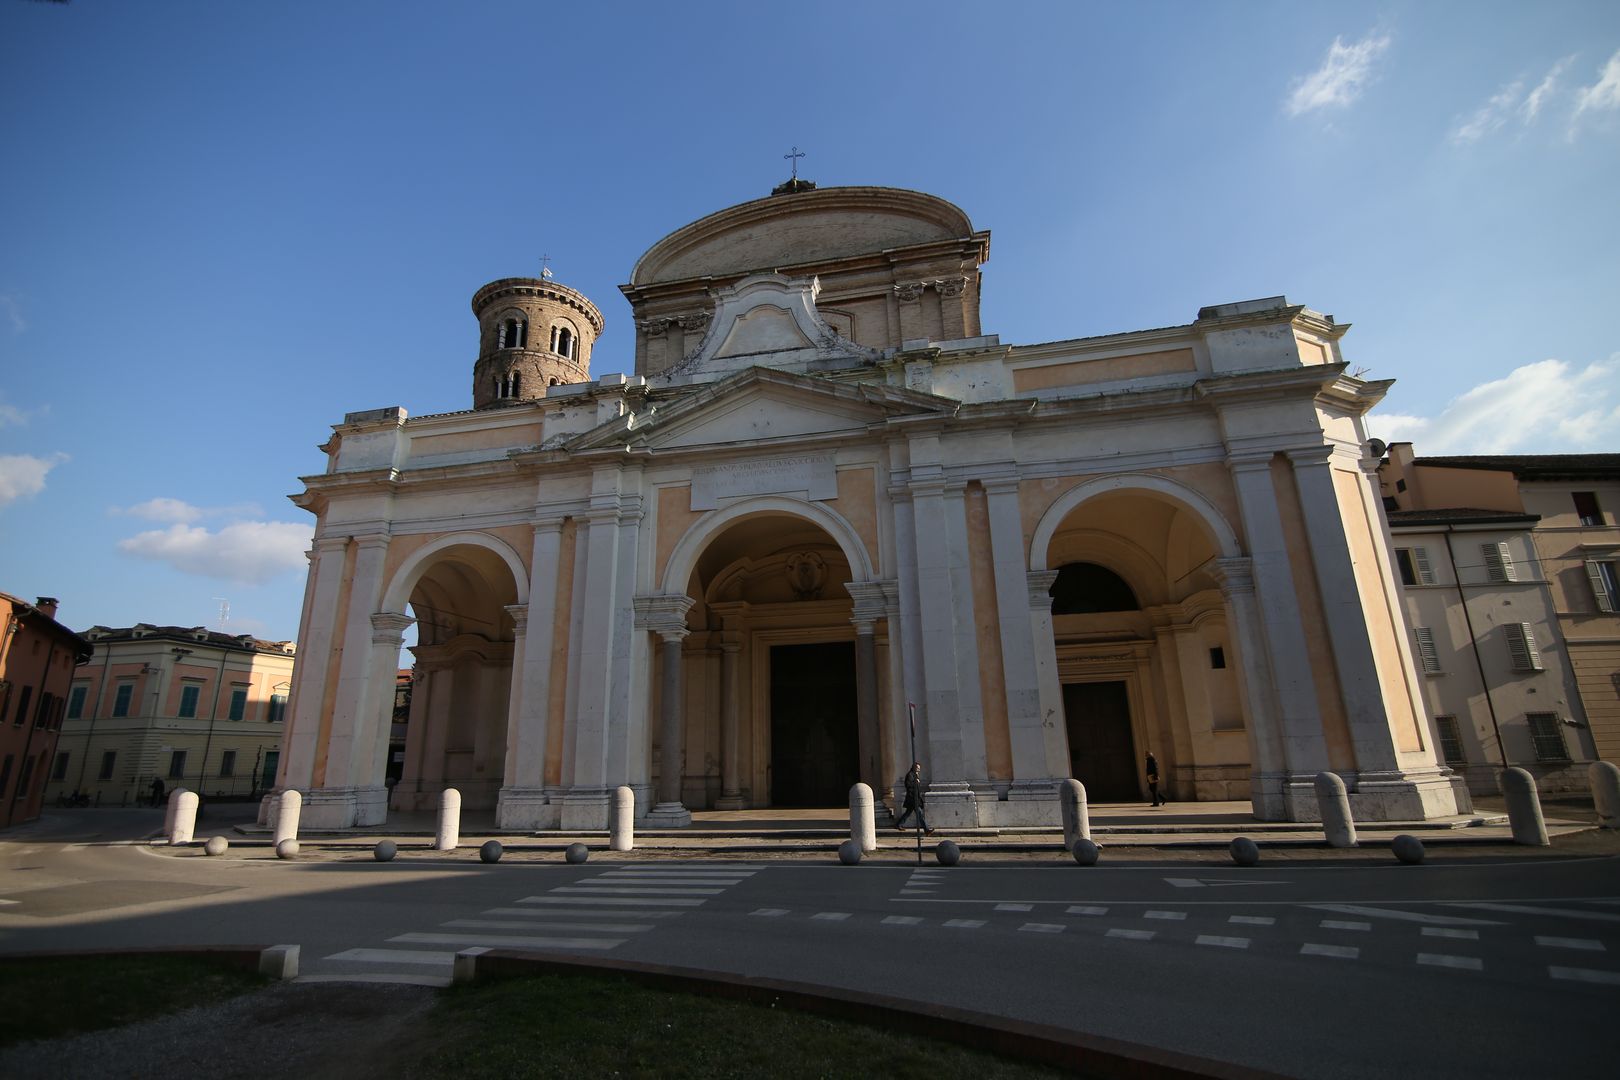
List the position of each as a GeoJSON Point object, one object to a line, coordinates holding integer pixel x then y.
{"type": "Point", "coordinates": [1446, 960]}
{"type": "Point", "coordinates": [602, 882]}
{"type": "Point", "coordinates": [635, 891]}
{"type": "Point", "coordinates": [1223, 942]}
{"type": "Point", "coordinates": [1043, 927]}
{"type": "Point", "coordinates": [1403, 916]}
{"type": "Point", "coordinates": [1085, 909]}
{"type": "Point", "coordinates": [769, 912]}
{"type": "Point", "coordinates": [516, 941]}
{"type": "Point", "coordinates": [1344, 924]}
{"type": "Point", "coordinates": [629, 901]}
{"type": "Point", "coordinates": [831, 916]}
{"type": "Point", "coordinates": [1342, 952]}
{"type": "Point", "coordinates": [964, 924]}
{"type": "Point", "coordinates": [1584, 944]}
{"type": "Point", "coordinates": [1173, 915]}
{"type": "Point", "coordinates": [507, 924]}
{"type": "Point", "coordinates": [1527, 909]}
{"type": "Point", "coordinates": [1131, 935]}
{"type": "Point", "coordinates": [574, 913]}
{"type": "Point", "coordinates": [672, 875]}
{"type": "Point", "coordinates": [395, 956]}
{"type": "Point", "coordinates": [1607, 978]}
{"type": "Point", "coordinates": [1253, 920]}
{"type": "Point", "coordinates": [1449, 932]}
{"type": "Point", "coordinates": [1015, 907]}
{"type": "Point", "coordinates": [901, 920]}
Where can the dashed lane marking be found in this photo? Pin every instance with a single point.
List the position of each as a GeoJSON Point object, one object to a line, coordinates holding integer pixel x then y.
{"type": "Point", "coordinates": [770, 912]}
{"type": "Point", "coordinates": [1043, 927]}
{"type": "Point", "coordinates": [508, 924]}
{"type": "Point", "coordinates": [1569, 974]}
{"type": "Point", "coordinates": [1253, 920]}
{"type": "Point", "coordinates": [1223, 942]}
{"type": "Point", "coordinates": [1343, 924]}
{"type": "Point", "coordinates": [831, 916]}
{"type": "Point", "coordinates": [1403, 916]}
{"type": "Point", "coordinates": [1584, 944]}
{"type": "Point", "coordinates": [1172, 915]}
{"type": "Point", "coordinates": [576, 913]}
{"type": "Point", "coordinates": [1130, 935]}
{"type": "Point", "coordinates": [901, 920]}
{"type": "Point", "coordinates": [516, 941]}
{"type": "Point", "coordinates": [1342, 952]}
{"type": "Point", "coordinates": [634, 891]}
{"type": "Point", "coordinates": [1446, 960]}
{"type": "Point", "coordinates": [1449, 932]}
{"type": "Point", "coordinates": [1015, 907]}
{"type": "Point", "coordinates": [964, 924]}
{"type": "Point", "coordinates": [1085, 909]}
{"type": "Point", "coordinates": [629, 901]}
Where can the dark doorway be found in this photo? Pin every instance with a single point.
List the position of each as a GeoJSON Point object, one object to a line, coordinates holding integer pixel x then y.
{"type": "Point", "coordinates": [815, 754]}
{"type": "Point", "coordinates": [1101, 752]}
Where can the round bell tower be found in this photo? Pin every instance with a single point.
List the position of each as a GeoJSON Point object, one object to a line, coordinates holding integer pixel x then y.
{"type": "Point", "coordinates": [532, 334]}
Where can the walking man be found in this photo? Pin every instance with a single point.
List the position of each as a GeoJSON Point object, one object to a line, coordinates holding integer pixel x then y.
{"type": "Point", "coordinates": [914, 800]}
{"type": "Point", "coordinates": [1153, 780]}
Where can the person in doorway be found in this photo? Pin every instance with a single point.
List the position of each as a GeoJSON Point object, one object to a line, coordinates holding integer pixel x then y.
{"type": "Point", "coordinates": [914, 800]}
{"type": "Point", "coordinates": [1153, 780]}
{"type": "Point", "coordinates": [157, 791]}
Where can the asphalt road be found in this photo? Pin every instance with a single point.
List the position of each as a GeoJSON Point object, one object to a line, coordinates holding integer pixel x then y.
{"type": "Point", "coordinates": [1347, 969]}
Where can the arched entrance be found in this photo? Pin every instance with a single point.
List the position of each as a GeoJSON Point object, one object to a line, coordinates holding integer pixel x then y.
{"type": "Point", "coordinates": [459, 594]}
{"type": "Point", "coordinates": [1139, 626]}
{"type": "Point", "coordinates": [772, 711]}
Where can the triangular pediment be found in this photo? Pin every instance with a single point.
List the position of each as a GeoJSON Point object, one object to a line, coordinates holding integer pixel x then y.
{"type": "Point", "coordinates": [761, 405]}
{"type": "Point", "coordinates": [767, 320]}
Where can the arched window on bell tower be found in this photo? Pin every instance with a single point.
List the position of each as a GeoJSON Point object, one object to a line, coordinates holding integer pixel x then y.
{"type": "Point", "coordinates": [514, 334]}
{"type": "Point", "coordinates": [565, 342]}
{"type": "Point", "coordinates": [517, 379]}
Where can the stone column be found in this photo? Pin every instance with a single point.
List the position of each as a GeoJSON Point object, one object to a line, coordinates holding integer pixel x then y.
{"type": "Point", "coordinates": [1048, 687]}
{"type": "Point", "coordinates": [665, 616]}
{"type": "Point", "coordinates": [347, 794]}
{"type": "Point", "coordinates": [1303, 742]}
{"type": "Point", "coordinates": [523, 803]}
{"type": "Point", "coordinates": [587, 803]}
{"type": "Point", "coordinates": [911, 315]}
{"type": "Point", "coordinates": [315, 639]}
{"type": "Point", "coordinates": [1263, 720]}
{"type": "Point", "coordinates": [870, 605]}
{"type": "Point", "coordinates": [953, 307]}
{"type": "Point", "coordinates": [731, 797]}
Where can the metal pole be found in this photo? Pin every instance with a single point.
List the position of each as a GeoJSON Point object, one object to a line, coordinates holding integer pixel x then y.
{"type": "Point", "coordinates": [911, 715]}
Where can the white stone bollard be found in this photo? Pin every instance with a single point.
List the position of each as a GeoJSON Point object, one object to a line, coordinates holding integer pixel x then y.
{"type": "Point", "coordinates": [168, 814]}
{"type": "Point", "coordinates": [1605, 779]}
{"type": "Point", "coordinates": [622, 834]}
{"type": "Point", "coordinates": [863, 818]}
{"type": "Point", "coordinates": [449, 821]}
{"type": "Point", "coordinates": [290, 806]}
{"type": "Point", "coordinates": [1076, 814]}
{"type": "Point", "coordinates": [1524, 808]}
{"type": "Point", "coordinates": [1337, 824]}
{"type": "Point", "coordinates": [185, 818]}
{"type": "Point", "coordinates": [279, 962]}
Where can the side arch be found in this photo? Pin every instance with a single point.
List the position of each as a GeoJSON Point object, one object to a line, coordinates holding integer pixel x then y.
{"type": "Point", "coordinates": [1158, 487]}
{"type": "Point", "coordinates": [683, 559]}
{"type": "Point", "coordinates": [411, 570]}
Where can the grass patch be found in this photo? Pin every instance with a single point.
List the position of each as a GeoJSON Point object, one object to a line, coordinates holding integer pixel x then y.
{"type": "Point", "coordinates": [49, 998]}
{"type": "Point", "coordinates": [570, 1026]}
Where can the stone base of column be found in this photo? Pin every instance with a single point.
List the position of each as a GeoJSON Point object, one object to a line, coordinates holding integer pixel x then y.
{"type": "Point", "coordinates": [267, 808]}
{"type": "Point", "coordinates": [1407, 796]}
{"type": "Point", "coordinates": [1028, 802]}
{"type": "Point", "coordinates": [1268, 795]}
{"type": "Point", "coordinates": [525, 808]}
{"type": "Point", "coordinates": [344, 808]}
{"type": "Point", "coordinates": [953, 806]}
{"type": "Point", "coordinates": [667, 815]}
{"type": "Point", "coordinates": [737, 800]}
{"type": "Point", "coordinates": [585, 811]}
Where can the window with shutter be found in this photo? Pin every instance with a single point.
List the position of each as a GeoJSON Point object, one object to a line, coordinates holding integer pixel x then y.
{"type": "Point", "coordinates": [1586, 507]}
{"type": "Point", "coordinates": [1499, 562]}
{"type": "Point", "coordinates": [1522, 646]}
{"type": "Point", "coordinates": [1427, 655]}
{"type": "Point", "coordinates": [1605, 584]}
{"type": "Point", "coordinates": [1451, 746]}
{"type": "Point", "coordinates": [1548, 735]}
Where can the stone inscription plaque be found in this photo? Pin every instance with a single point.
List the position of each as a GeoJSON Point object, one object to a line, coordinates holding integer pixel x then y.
{"type": "Point", "coordinates": [811, 475]}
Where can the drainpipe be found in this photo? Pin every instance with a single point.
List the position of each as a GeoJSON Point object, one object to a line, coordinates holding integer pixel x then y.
{"type": "Point", "coordinates": [213, 713]}
{"type": "Point", "coordinates": [95, 710]}
{"type": "Point", "coordinates": [1473, 643]}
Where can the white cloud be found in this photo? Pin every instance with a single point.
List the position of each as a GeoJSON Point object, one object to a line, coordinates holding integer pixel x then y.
{"type": "Point", "coordinates": [1545, 407]}
{"type": "Point", "coordinates": [13, 309]}
{"type": "Point", "coordinates": [1341, 78]}
{"type": "Point", "coordinates": [162, 509]}
{"type": "Point", "coordinates": [1537, 98]}
{"type": "Point", "coordinates": [11, 416]}
{"type": "Point", "coordinates": [249, 552]}
{"type": "Point", "coordinates": [23, 475]}
{"type": "Point", "coordinates": [1601, 96]}
{"type": "Point", "coordinates": [1490, 116]}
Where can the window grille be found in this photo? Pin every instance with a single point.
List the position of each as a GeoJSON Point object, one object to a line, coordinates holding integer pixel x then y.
{"type": "Point", "coordinates": [1547, 732]}
{"type": "Point", "coordinates": [1451, 747]}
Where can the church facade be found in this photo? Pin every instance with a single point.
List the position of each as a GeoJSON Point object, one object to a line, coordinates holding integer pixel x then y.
{"type": "Point", "coordinates": [829, 526]}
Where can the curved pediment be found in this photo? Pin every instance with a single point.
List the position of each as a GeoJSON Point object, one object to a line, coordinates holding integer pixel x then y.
{"type": "Point", "coordinates": [768, 320]}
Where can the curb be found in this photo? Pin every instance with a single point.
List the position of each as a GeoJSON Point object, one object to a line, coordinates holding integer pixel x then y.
{"type": "Point", "coordinates": [1090, 1055]}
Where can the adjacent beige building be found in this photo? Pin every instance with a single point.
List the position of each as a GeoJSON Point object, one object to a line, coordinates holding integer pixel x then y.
{"type": "Point", "coordinates": [825, 523]}
{"type": "Point", "coordinates": [1510, 564]}
{"type": "Point", "coordinates": [185, 705]}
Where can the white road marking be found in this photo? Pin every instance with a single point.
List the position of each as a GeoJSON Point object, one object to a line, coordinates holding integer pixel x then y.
{"type": "Point", "coordinates": [1224, 942]}
{"type": "Point", "coordinates": [1341, 924]}
{"type": "Point", "coordinates": [1404, 916]}
{"type": "Point", "coordinates": [644, 901]}
{"type": "Point", "coordinates": [575, 913]}
{"type": "Point", "coordinates": [1253, 920]}
{"type": "Point", "coordinates": [1043, 927]}
{"type": "Point", "coordinates": [640, 880]}
{"type": "Point", "coordinates": [396, 956]}
{"type": "Point", "coordinates": [615, 890]}
{"type": "Point", "coordinates": [1343, 952]}
{"type": "Point", "coordinates": [1527, 909]}
{"type": "Point", "coordinates": [516, 941]}
{"type": "Point", "coordinates": [10, 901]}
{"type": "Point", "coordinates": [901, 920]}
{"type": "Point", "coordinates": [915, 892]}
{"type": "Point", "coordinates": [1607, 978]}
{"type": "Point", "coordinates": [1132, 935]}
{"type": "Point", "coordinates": [770, 912]}
{"type": "Point", "coordinates": [1449, 932]}
{"type": "Point", "coordinates": [1174, 915]}
{"type": "Point", "coordinates": [831, 916]}
{"type": "Point", "coordinates": [1217, 883]}
{"type": "Point", "coordinates": [507, 924]}
{"type": "Point", "coordinates": [673, 871]}
{"type": "Point", "coordinates": [1584, 944]}
{"type": "Point", "coordinates": [1445, 960]}
{"type": "Point", "coordinates": [964, 924]}
{"type": "Point", "coordinates": [1015, 907]}
{"type": "Point", "coordinates": [1085, 909]}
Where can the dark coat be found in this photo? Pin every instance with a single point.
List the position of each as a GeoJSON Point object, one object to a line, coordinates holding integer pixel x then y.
{"type": "Point", "coordinates": [913, 790]}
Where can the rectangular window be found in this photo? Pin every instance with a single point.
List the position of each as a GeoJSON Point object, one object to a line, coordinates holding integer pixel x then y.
{"type": "Point", "coordinates": [108, 757]}
{"type": "Point", "coordinates": [5, 698]}
{"type": "Point", "coordinates": [227, 763]}
{"type": "Point", "coordinates": [122, 697]}
{"type": "Point", "coordinates": [1217, 658]}
{"type": "Point", "coordinates": [46, 711]}
{"type": "Point", "coordinates": [1450, 740]}
{"type": "Point", "coordinates": [1547, 731]}
{"type": "Point", "coordinates": [188, 700]}
{"type": "Point", "coordinates": [267, 779]}
{"type": "Point", "coordinates": [1428, 656]}
{"type": "Point", "coordinates": [1415, 566]}
{"type": "Point", "coordinates": [1521, 640]}
{"type": "Point", "coordinates": [5, 774]}
{"type": "Point", "coordinates": [59, 769]}
{"type": "Point", "coordinates": [1587, 509]}
{"type": "Point", "coordinates": [1605, 583]}
{"type": "Point", "coordinates": [75, 705]}
{"type": "Point", "coordinates": [238, 703]}
{"type": "Point", "coordinates": [1498, 562]}
{"type": "Point", "coordinates": [177, 765]}
{"type": "Point", "coordinates": [24, 777]}
{"type": "Point", "coordinates": [278, 708]}
{"type": "Point", "coordinates": [23, 701]}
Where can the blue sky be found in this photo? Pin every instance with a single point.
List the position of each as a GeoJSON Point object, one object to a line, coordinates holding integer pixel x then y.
{"type": "Point", "coordinates": [222, 226]}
